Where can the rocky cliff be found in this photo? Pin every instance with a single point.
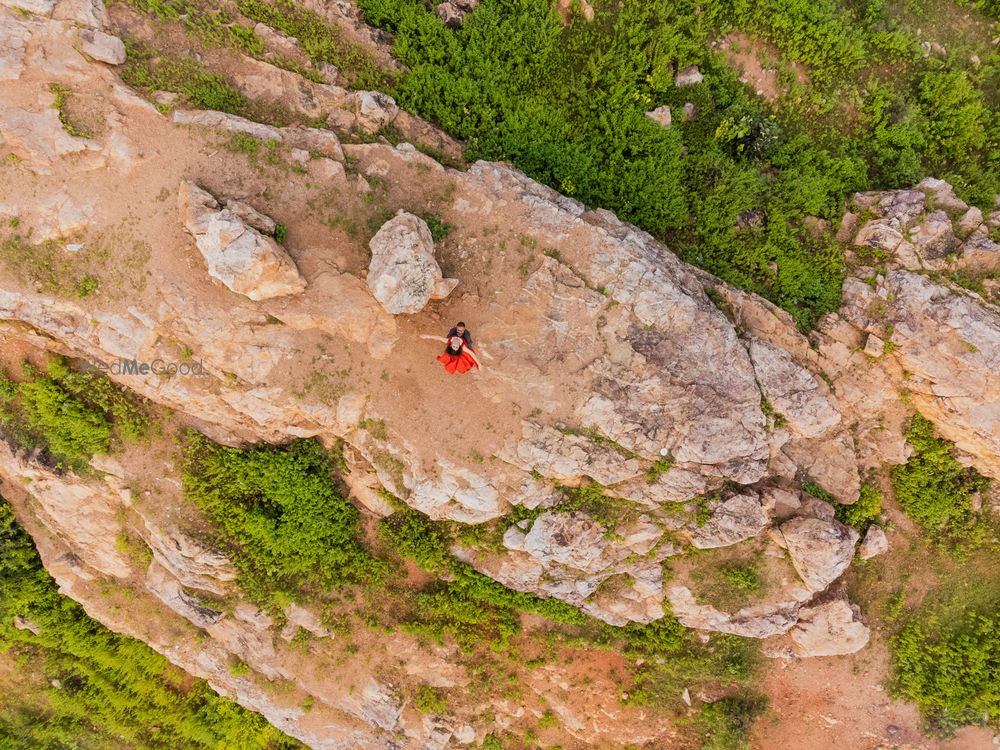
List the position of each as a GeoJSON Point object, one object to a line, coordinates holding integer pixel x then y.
{"type": "Point", "coordinates": [701, 411]}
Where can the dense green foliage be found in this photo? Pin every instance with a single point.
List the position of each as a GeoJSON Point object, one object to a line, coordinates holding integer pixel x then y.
{"type": "Point", "coordinates": [864, 512]}
{"type": "Point", "coordinates": [951, 669]}
{"type": "Point", "coordinates": [934, 488]}
{"type": "Point", "coordinates": [69, 415]}
{"type": "Point", "coordinates": [104, 691]}
{"type": "Point", "coordinates": [730, 188]}
{"type": "Point", "coordinates": [279, 515]}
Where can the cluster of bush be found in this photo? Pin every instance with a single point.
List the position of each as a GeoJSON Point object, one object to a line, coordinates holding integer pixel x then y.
{"type": "Point", "coordinates": [101, 690]}
{"type": "Point", "coordinates": [67, 415]}
{"type": "Point", "coordinates": [566, 104]}
{"type": "Point", "coordinates": [947, 655]}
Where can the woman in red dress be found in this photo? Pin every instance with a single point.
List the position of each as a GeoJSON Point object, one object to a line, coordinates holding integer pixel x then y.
{"type": "Point", "coordinates": [457, 357]}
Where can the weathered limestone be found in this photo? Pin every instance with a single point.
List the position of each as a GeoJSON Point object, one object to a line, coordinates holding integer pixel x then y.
{"type": "Point", "coordinates": [238, 255]}
{"type": "Point", "coordinates": [875, 543]}
{"type": "Point", "coordinates": [820, 550]}
{"type": "Point", "coordinates": [739, 518]}
{"type": "Point", "coordinates": [403, 273]}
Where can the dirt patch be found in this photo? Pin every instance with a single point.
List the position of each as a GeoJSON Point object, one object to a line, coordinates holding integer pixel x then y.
{"type": "Point", "coordinates": [760, 65]}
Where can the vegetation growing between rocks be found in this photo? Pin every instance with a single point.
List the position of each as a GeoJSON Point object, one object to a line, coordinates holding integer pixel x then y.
{"type": "Point", "coordinates": [69, 415]}
{"type": "Point", "coordinates": [100, 690]}
{"type": "Point", "coordinates": [279, 516]}
{"type": "Point", "coordinates": [729, 188]}
{"type": "Point", "coordinates": [936, 490]}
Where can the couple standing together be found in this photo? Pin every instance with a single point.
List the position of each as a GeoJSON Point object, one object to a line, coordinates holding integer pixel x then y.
{"type": "Point", "coordinates": [458, 356]}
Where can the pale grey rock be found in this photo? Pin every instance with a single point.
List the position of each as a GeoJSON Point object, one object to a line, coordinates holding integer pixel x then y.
{"type": "Point", "coordinates": [834, 628]}
{"type": "Point", "coordinates": [450, 14]}
{"type": "Point", "coordinates": [168, 590]}
{"type": "Point", "coordinates": [250, 216]}
{"type": "Point", "coordinates": [190, 562]}
{"type": "Point", "coordinates": [58, 216]}
{"type": "Point", "coordinates": [300, 617]}
{"type": "Point", "coordinates": [403, 273]}
{"type": "Point", "coordinates": [934, 238]}
{"type": "Point", "coordinates": [831, 461]}
{"type": "Point", "coordinates": [794, 392]}
{"type": "Point", "coordinates": [875, 543]}
{"type": "Point", "coordinates": [85, 516]}
{"type": "Point", "coordinates": [949, 342]}
{"type": "Point", "coordinates": [275, 41]}
{"type": "Point", "coordinates": [571, 539]}
{"type": "Point", "coordinates": [688, 76]}
{"type": "Point", "coordinates": [224, 121]}
{"type": "Point", "coordinates": [567, 456]}
{"type": "Point", "coordinates": [102, 47]}
{"type": "Point", "coordinates": [23, 623]}
{"type": "Point", "coordinates": [253, 616]}
{"type": "Point", "coordinates": [37, 7]}
{"type": "Point", "coordinates": [39, 139]}
{"type": "Point", "coordinates": [14, 35]}
{"type": "Point", "coordinates": [246, 261]}
{"type": "Point", "coordinates": [374, 110]}
{"type": "Point", "coordinates": [874, 346]}
{"type": "Point", "coordinates": [661, 116]}
{"type": "Point", "coordinates": [87, 13]}
{"type": "Point", "coordinates": [820, 550]}
{"type": "Point", "coordinates": [941, 195]}
{"type": "Point", "coordinates": [317, 140]}
{"type": "Point", "coordinates": [736, 519]}
{"type": "Point", "coordinates": [758, 621]}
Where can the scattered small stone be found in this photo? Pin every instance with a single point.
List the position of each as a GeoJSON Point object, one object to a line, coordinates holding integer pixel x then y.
{"type": "Point", "coordinates": [688, 76]}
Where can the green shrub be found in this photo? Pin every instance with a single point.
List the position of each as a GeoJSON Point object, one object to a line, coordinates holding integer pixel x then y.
{"type": "Point", "coordinates": [430, 700]}
{"type": "Point", "coordinates": [933, 488]}
{"type": "Point", "coordinates": [148, 70]}
{"type": "Point", "coordinates": [955, 117]}
{"type": "Point", "coordinates": [865, 511]}
{"type": "Point", "coordinates": [951, 669]}
{"type": "Point", "coordinates": [726, 723]}
{"type": "Point", "coordinates": [279, 514]}
{"type": "Point", "coordinates": [70, 415]}
{"type": "Point", "coordinates": [101, 690]}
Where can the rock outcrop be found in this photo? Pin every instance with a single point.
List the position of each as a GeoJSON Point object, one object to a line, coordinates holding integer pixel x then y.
{"type": "Point", "coordinates": [237, 254]}
{"type": "Point", "coordinates": [613, 368]}
{"type": "Point", "coordinates": [820, 549]}
{"type": "Point", "coordinates": [403, 273]}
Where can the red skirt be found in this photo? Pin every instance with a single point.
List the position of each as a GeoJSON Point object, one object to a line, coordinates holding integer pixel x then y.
{"type": "Point", "coordinates": [457, 363]}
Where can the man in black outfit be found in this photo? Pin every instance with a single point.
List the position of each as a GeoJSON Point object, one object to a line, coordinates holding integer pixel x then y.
{"type": "Point", "coordinates": [462, 332]}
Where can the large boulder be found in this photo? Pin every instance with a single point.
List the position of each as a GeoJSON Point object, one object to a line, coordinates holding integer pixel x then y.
{"type": "Point", "coordinates": [403, 273]}
{"type": "Point", "coordinates": [831, 629]}
{"type": "Point", "coordinates": [875, 543]}
{"type": "Point", "coordinates": [246, 261]}
{"type": "Point", "coordinates": [738, 518]}
{"type": "Point", "coordinates": [819, 549]}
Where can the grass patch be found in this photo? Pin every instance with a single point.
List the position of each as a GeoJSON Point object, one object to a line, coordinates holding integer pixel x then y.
{"type": "Point", "coordinates": [148, 70]}
{"type": "Point", "coordinates": [320, 42]}
{"type": "Point", "coordinates": [865, 511]}
{"type": "Point", "coordinates": [62, 95]}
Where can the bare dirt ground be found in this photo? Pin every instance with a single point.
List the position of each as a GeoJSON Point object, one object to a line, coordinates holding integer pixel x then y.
{"type": "Point", "coordinates": [759, 64]}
